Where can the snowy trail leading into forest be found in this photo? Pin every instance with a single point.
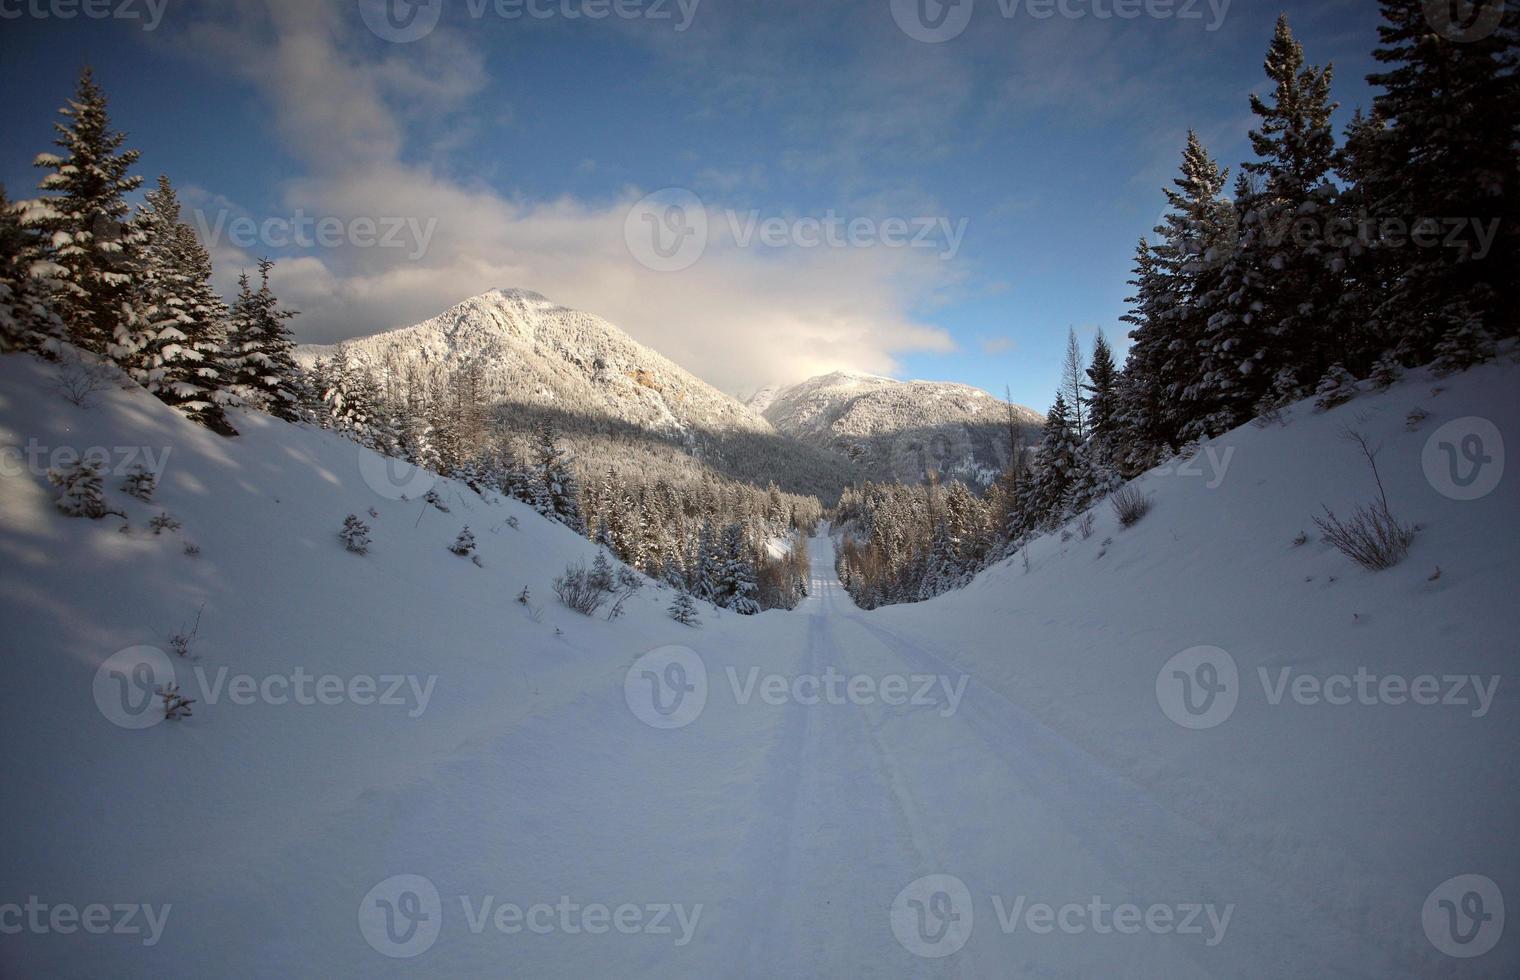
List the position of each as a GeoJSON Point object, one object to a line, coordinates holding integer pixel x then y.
{"type": "Point", "coordinates": [986, 784]}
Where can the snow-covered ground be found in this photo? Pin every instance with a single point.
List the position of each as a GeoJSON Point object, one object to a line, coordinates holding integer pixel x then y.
{"type": "Point", "coordinates": [988, 784]}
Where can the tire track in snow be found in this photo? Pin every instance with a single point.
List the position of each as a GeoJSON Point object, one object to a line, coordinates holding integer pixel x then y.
{"type": "Point", "coordinates": [1151, 847]}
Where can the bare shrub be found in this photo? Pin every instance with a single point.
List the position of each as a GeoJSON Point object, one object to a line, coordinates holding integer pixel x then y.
{"type": "Point", "coordinates": [181, 641]}
{"type": "Point", "coordinates": [1085, 525]}
{"type": "Point", "coordinates": [580, 590]}
{"type": "Point", "coordinates": [1372, 537]}
{"type": "Point", "coordinates": [78, 379]}
{"type": "Point", "coordinates": [1130, 505]}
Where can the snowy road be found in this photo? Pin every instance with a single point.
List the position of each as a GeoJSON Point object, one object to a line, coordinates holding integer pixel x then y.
{"type": "Point", "coordinates": [873, 812]}
{"type": "Point", "coordinates": [804, 817]}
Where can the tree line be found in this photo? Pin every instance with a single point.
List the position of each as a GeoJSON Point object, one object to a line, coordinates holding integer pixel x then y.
{"type": "Point", "coordinates": [1328, 262]}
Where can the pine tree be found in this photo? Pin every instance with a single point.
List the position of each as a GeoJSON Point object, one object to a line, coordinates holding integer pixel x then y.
{"type": "Point", "coordinates": [552, 465]}
{"type": "Point", "coordinates": [1056, 466]}
{"type": "Point", "coordinates": [84, 220]}
{"type": "Point", "coordinates": [81, 490]}
{"type": "Point", "coordinates": [736, 582]}
{"type": "Point", "coordinates": [1441, 145]}
{"type": "Point", "coordinates": [1282, 282]}
{"type": "Point", "coordinates": [355, 535]}
{"type": "Point", "coordinates": [1102, 398]}
{"type": "Point", "coordinates": [261, 368]}
{"type": "Point", "coordinates": [1195, 240]}
{"type": "Point", "coordinates": [174, 348]}
{"type": "Point", "coordinates": [1336, 387]}
{"type": "Point", "coordinates": [684, 610]}
{"type": "Point", "coordinates": [464, 544]}
{"type": "Point", "coordinates": [1145, 427]}
{"type": "Point", "coordinates": [27, 287]}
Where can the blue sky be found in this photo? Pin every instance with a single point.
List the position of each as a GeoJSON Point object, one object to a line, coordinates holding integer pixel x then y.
{"type": "Point", "coordinates": [511, 151]}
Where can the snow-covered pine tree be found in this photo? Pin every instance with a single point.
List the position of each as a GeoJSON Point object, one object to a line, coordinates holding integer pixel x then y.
{"type": "Point", "coordinates": [355, 535]}
{"type": "Point", "coordinates": [1196, 238]}
{"type": "Point", "coordinates": [553, 467]}
{"type": "Point", "coordinates": [80, 489]}
{"type": "Point", "coordinates": [261, 368]}
{"type": "Point", "coordinates": [736, 584]}
{"type": "Point", "coordinates": [84, 221]}
{"type": "Point", "coordinates": [464, 544]}
{"type": "Point", "coordinates": [140, 483]}
{"type": "Point", "coordinates": [1146, 428]}
{"type": "Point", "coordinates": [1056, 467]}
{"type": "Point", "coordinates": [27, 287]}
{"type": "Point", "coordinates": [1441, 146]}
{"type": "Point", "coordinates": [1337, 387]}
{"type": "Point", "coordinates": [1464, 344]}
{"type": "Point", "coordinates": [684, 610]}
{"type": "Point", "coordinates": [600, 576]}
{"type": "Point", "coordinates": [174, 344]}
{"type": "Point", "coordinates": [347, 396]}
{"type": "Point", "coordinates": [1385, 372]}
{"type": "Point", "coordinates": [1102, 399]}
{"type": "Point", "coordinates": [1283, 281]}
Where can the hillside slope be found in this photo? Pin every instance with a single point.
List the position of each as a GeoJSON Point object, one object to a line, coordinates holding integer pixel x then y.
{"type": "Point", "coordinates": [898, 430]}
{"type": "Point", "coordinates": [807, 827]}
{"type": "Point", "coordinates": [608, 394]}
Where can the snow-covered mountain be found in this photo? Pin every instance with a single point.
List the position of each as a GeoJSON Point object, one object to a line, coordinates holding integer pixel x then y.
{"type": "Point", "coordinates": [898, 430]}
{"type": "Point", "coordinates": [608, 394]}
{"type": "Point", "coordinates": [538, 352]}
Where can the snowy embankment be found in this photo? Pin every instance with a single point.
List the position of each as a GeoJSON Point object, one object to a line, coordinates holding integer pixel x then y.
{"type": "Point", "coordinates": [1370, 754]}
{"type": "Point", "coordinates": [778, 801]}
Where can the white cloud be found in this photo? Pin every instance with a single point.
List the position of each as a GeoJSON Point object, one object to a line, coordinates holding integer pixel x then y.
{"type": "Point", "coordinates": [346, 109]}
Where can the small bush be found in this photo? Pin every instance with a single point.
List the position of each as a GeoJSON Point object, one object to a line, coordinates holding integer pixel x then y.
{"type": "Point", "coordinates": [355, 535]}
{"type": "Point", "coordinates": [1301, 540]}
{"type": "Point", "coordinates": [1373, 537]}
{"type": "Point", "coordinates": [162, 523]}
{"type": "Point", "coordinates": [432, 497]}
{"type": "Point", "coordinates": [1085, 525]}
{"type": "Point", "coordinates": [464, 545]}
{"type": "Point", "coordinates": [181, 641]}
{"type": "Point", "coordinates": [579, 590]}
{"type": "Point", "coordinates": [78, 380]}
{"type": "Point", "coordinates": [1130, 505]}
{"type": "Point", "coordinates": [140, 483]}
